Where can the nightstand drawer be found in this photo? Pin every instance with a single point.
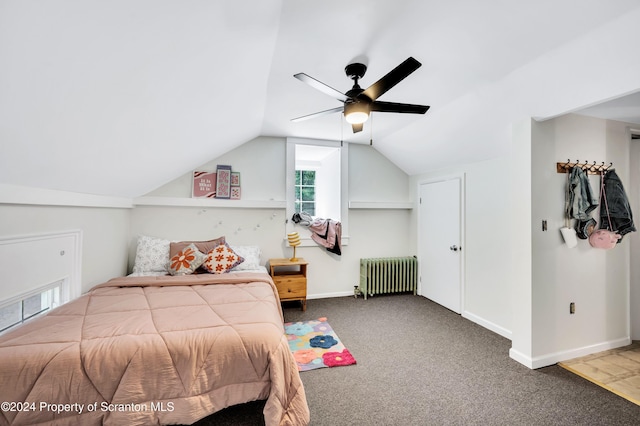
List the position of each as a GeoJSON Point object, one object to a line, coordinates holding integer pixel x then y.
{"type": "Point", "coordinates": [290, 278]}
{"type": "Point", "coordinates": [291, 287]}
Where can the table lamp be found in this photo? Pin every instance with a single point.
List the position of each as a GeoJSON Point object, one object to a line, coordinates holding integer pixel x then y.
{"type": "Point", "coordinates": [294, 241]}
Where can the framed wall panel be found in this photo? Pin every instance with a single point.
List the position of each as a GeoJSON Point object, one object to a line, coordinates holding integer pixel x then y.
{"type": "Point", "coordinates": [223, 182]}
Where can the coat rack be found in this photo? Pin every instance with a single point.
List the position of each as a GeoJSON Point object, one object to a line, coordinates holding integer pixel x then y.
{"type": "Point", "coordinates": [589, 168]}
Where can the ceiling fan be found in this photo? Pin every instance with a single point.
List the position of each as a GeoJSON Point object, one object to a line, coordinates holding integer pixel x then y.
{"type": "Point", "coordinates": [358, 102]}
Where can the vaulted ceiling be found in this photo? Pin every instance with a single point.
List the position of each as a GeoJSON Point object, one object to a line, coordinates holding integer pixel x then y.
{"type": "Point", "coordinates": [119, 97]}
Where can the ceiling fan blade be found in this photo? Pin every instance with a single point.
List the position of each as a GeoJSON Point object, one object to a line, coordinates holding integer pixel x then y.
{"type": "Point", "coordinates": [357, 127]}
{"type": "Point", "coordinates": [317, 114]}
{"type": "Point", "coordinates": [321, 87]}
{"type": "Point", "coordinates": [396, 107]}
{"type": "Point", "coordinates": [394, 77]}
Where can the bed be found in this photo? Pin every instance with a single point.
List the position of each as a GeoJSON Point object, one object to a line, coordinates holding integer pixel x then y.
{"type": "Point", "coordinates": [154, 349]}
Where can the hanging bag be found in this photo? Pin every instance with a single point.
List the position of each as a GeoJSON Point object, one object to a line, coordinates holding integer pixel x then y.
{"type": "Point", "coordinates": [604, 238]}
{"type": "Point", "coordinates": [569, 234]}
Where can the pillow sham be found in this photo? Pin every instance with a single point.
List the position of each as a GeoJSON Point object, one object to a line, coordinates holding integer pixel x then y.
{"type": "Point", "coordinates": [186, 261]}
{"type": "Point", "coordinates": [152, 254]}
{"type": "Point", "coordinates": [251, 255]}
{"type": "Point", "coordinates": [202, 246]}
{"type": "Point", "coordinates": [221, 259]}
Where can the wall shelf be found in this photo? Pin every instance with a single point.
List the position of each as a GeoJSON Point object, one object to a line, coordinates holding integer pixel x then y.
{"type": "Point", "coordinates": [403, 205]}
{"type": "Point", "coordinates": [208, 202]}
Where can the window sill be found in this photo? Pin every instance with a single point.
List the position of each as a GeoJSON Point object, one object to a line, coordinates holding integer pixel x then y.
{"type": "Point", "coordinates": [308, 242]}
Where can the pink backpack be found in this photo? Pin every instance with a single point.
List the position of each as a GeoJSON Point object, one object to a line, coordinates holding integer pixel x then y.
{"type": "Point", "coordinates": [604, 239]}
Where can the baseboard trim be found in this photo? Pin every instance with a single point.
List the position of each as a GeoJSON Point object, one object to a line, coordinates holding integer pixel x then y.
{"type": "Point", "coordinates": [521, 358]}
{"type": "Point", "coordinates": [328, 295]}
{"type": "Point", "coordinates": [487, 324]}
{"type": "Point", "coordinates": [556, 357]}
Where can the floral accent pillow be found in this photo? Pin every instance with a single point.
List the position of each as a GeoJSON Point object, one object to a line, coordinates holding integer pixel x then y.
{"type": "Point", "coordinates": [221, 259]}
{"type": "Point", "coordinates": [186, 261]}
{"type": "Point", "coordinates": [152, 254]}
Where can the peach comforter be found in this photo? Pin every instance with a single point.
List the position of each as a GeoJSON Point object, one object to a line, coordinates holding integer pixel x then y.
{"type": "Point", "coordinates": [153, 350]}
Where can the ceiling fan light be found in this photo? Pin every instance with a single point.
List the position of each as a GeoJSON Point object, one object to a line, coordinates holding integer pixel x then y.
{"type": "Point", "coordinates": [356, 113]}
{"type": "Point", "coordinates": [357, 117]}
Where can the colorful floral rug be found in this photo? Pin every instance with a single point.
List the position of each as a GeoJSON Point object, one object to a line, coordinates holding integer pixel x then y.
{"type": "Point", "coordinates": [314, 344]}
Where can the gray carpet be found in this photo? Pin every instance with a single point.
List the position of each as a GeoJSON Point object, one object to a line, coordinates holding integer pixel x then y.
{"type": "Point", "coordinates": [421, 364]}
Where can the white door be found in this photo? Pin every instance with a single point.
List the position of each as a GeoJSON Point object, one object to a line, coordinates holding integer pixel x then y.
{"type": "Point", "coordinates": [439, 241]}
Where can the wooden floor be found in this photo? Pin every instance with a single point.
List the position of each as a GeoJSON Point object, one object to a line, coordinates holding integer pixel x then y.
{"type": "Point", "coordinates": [617, 370]}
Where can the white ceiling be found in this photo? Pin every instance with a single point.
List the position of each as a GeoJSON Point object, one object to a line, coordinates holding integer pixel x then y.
{"type": "Point", "coordinates": [625, 108]}
{"type": "Point", "coordinates": [120, 97]}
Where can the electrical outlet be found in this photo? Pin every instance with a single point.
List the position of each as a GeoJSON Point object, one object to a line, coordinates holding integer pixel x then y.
{"type": "Point", "coordinates": [572, 308]}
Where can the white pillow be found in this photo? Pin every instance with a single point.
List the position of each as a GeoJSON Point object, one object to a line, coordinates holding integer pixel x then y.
{"type": "Point", "coordinates": [152, 255]}
{"type": "Point", "coordinates": [251, 255]}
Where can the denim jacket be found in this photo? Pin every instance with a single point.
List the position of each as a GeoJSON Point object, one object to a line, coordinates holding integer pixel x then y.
{"type": "Point", "coordinates": [580, 200]}
{"type": "Point", "coordinates": [617, 204]}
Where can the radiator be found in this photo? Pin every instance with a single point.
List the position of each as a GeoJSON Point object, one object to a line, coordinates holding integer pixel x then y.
{"type": "Point", "coordinates": [388, 275]}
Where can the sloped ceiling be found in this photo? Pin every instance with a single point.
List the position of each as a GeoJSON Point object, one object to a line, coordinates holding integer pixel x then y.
{"type": "Point", "coordinates": [119, 97]}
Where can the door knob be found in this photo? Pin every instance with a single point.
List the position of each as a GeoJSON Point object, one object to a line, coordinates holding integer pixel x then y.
{"type": "Point", "coordinates": [453, 248]}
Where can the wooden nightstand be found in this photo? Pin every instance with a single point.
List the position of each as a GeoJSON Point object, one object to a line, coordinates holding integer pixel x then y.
{"type": "Point", "coordinates": [290, 277]}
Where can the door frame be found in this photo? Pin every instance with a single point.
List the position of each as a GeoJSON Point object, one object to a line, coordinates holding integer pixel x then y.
{"type": "Point", "coordinates": [461, 176]}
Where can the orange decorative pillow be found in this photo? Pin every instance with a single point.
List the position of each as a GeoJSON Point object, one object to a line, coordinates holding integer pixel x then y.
{"type": "Point", "coordinates": [221, 259]}
{"type": "Point", "coordinates": [186, 261]}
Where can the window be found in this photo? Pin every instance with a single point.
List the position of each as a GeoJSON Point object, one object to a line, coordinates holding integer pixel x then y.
{"type": "Point", "coordinates": [325, 190]}
{"type": "Point", "coordinates": [16, 312]}
{"type": "Point", "coordinates": [317, 180]}
{"type": "Point", "coordinates": [306, 191]}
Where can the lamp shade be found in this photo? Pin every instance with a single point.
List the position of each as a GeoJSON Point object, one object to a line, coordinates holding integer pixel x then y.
{"type": "Point", "coordinates": [356, 112]}
{"type": "Point", "coordinates": [294, 241]}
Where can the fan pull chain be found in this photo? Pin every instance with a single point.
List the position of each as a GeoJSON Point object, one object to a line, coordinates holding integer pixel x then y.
{"type": "Point", "coordinates": [341, 129]}
{"type": "Point", "coordinates": [371, 130]}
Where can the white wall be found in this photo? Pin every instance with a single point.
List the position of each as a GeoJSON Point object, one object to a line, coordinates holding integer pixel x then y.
{"type": "Point", "coordinates": [487, 291]}
{"type": "Point", "coordinates": [105, 234]}
{"type": "Point", "coordinates": [519, 280]}
{"type": "Point", "coordinates": [109, 234]}
{"type": "Point", "coordinates": [261, 162]}
{"type": "Point", "coordinates": [596, 280]}
{"type": "Point", "coordinates": [328, 178]}
{"type": "Point", "coordinates": [519, 178]}
{"type": "Point", "coordinates": [372, 177]}
{"type": "Point", "coordinates": [633, 192]}
{"type": "Point", "coordinates": [263, 227]}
